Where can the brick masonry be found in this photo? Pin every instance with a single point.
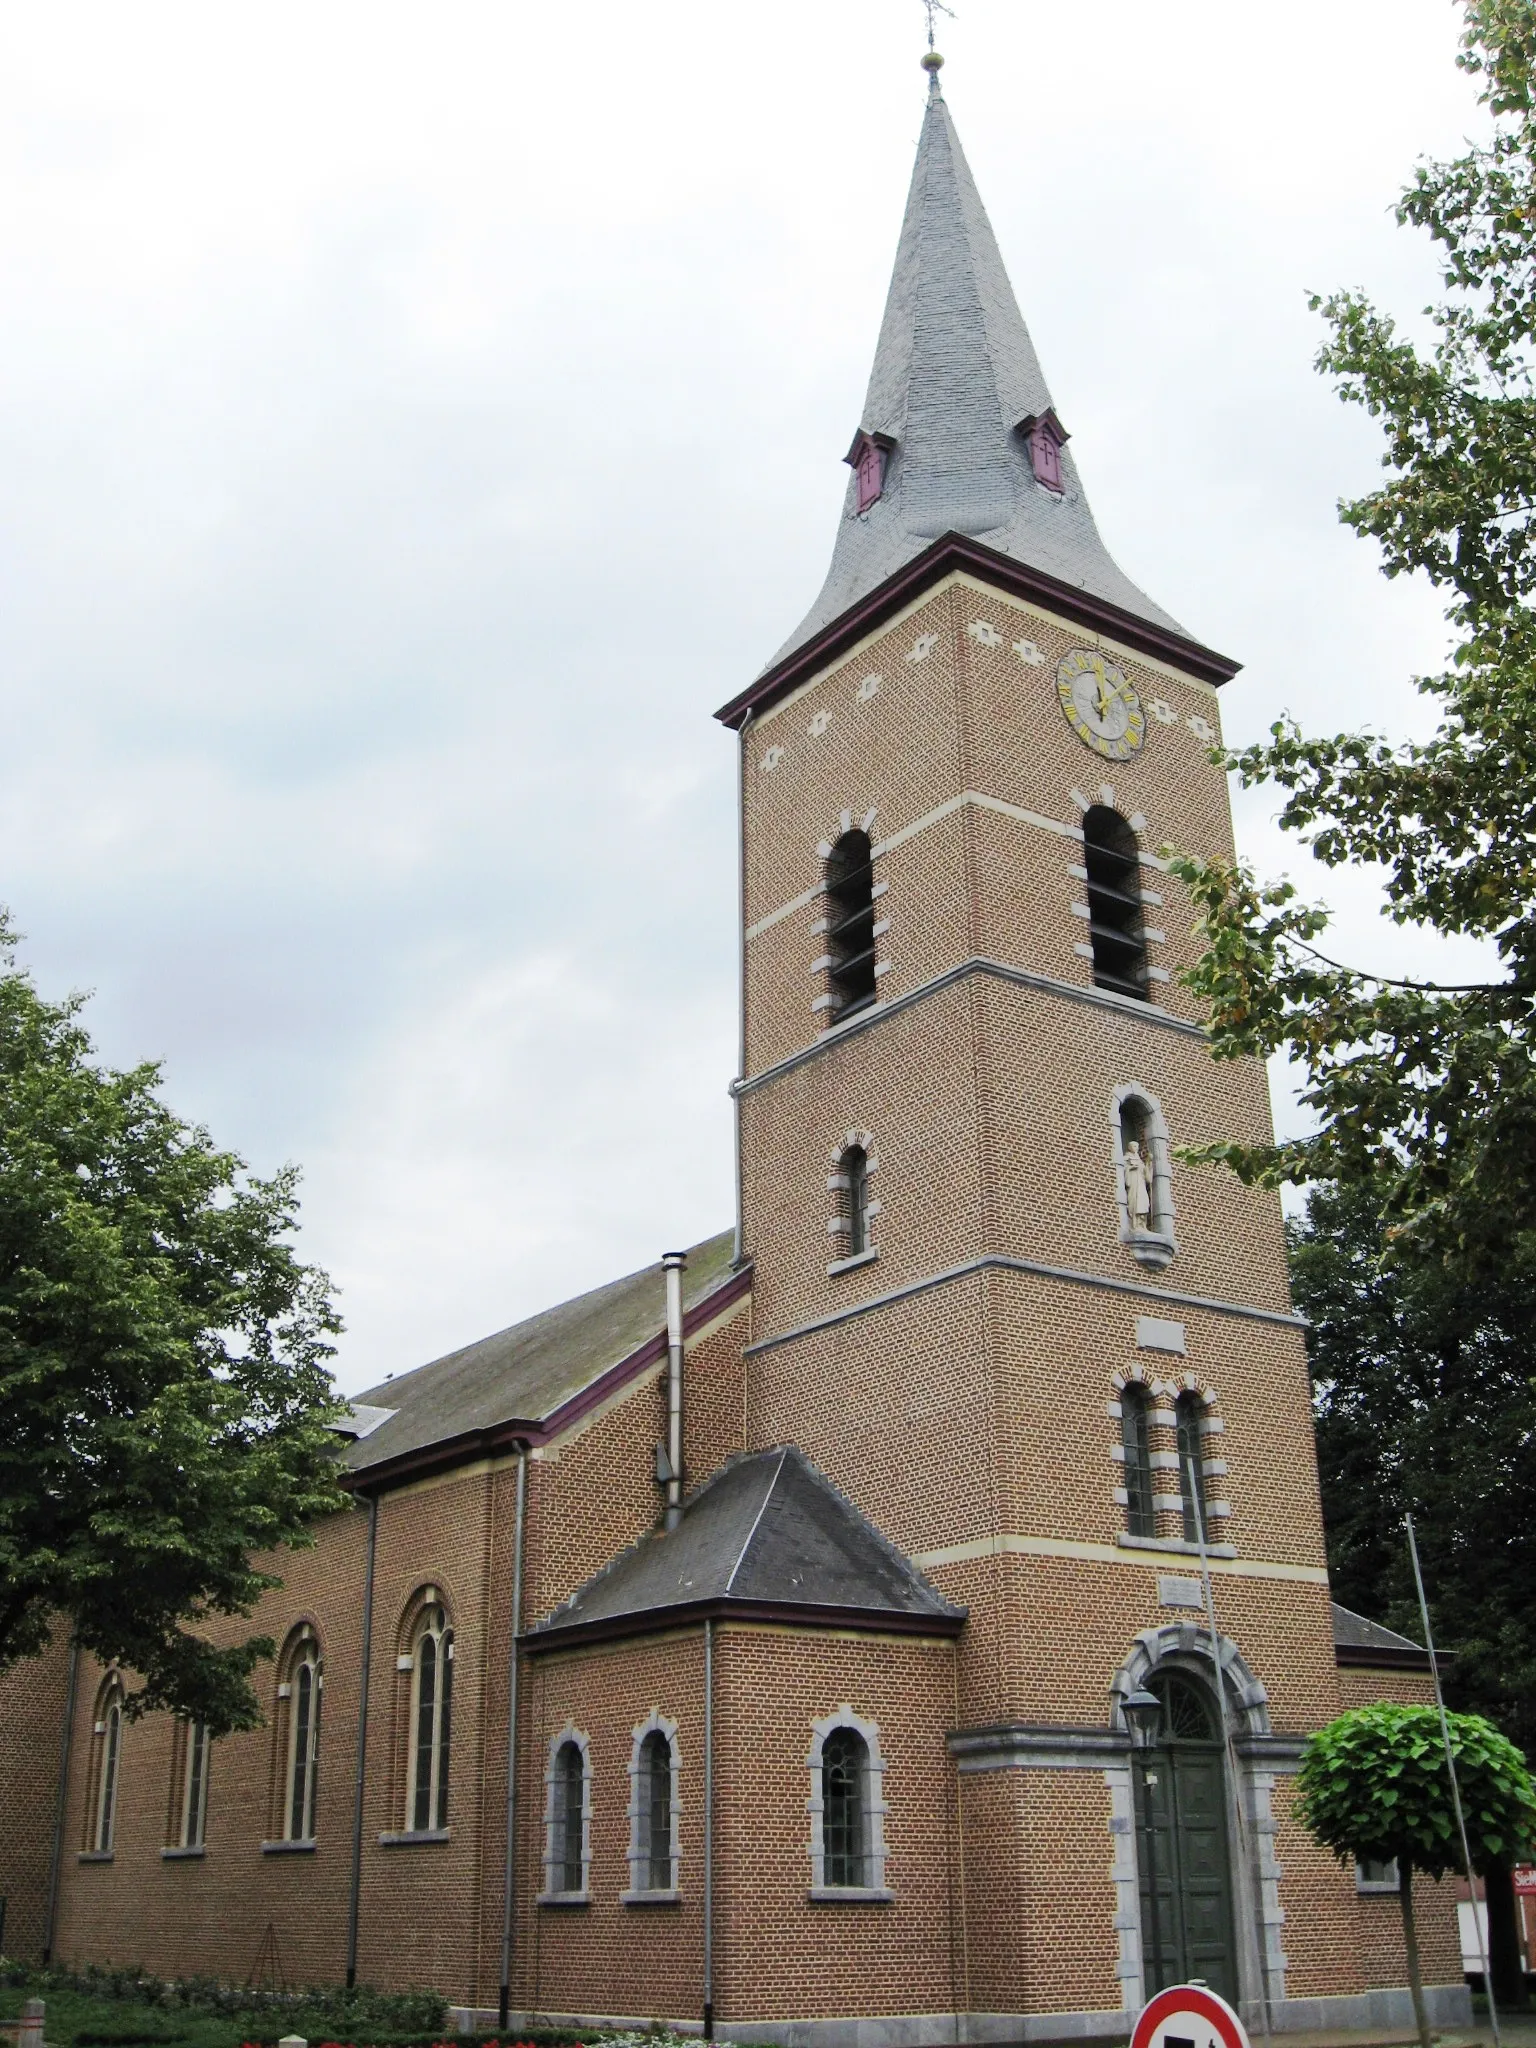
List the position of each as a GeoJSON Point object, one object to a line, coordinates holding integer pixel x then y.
{"type": "Point", "coordinates": [960, 1387]}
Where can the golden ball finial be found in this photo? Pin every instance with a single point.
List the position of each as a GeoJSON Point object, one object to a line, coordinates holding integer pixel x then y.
{"type": "Point", "coordinates": [932, 61]}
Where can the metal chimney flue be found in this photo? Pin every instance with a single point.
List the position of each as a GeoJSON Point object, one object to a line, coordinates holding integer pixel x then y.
{"type": "Point", "coordinates": [670, 1463]}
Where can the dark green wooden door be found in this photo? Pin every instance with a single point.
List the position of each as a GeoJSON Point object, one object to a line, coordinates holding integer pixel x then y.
{"type": "Point", "coordinates": [1181, 1841]}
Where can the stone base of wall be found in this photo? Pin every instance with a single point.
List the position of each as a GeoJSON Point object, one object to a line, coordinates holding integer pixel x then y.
{"type": "Point", "coordinates": [1449, 2005]}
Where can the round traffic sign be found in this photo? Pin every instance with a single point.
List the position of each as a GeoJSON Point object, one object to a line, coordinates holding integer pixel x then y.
{"type": "Point", "coordinates": [1188, 2016]}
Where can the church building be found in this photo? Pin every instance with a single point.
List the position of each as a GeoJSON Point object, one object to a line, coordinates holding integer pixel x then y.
{"type": "Point", "coordinates": [896, 1620]}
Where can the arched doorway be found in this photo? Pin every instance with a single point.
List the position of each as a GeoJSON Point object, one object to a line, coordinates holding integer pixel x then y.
{"type": "Point", "coordinates": [1182, 1852]}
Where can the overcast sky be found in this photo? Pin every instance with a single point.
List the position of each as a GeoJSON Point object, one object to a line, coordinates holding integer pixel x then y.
{"type": "Point", "coordinates": [415, 421]}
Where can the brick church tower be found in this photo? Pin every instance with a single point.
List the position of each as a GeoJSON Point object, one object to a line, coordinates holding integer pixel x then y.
{"type": "Point", "coordinates": [942, 1676]}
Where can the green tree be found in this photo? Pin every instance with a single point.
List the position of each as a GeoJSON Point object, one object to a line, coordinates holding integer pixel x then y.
{"type": "Point", "coordinates": [164, 1395]}
{"type": "Point", "coordinates": [1427, 1090]}
{"type": "Point", "coordinates": [1373, 1785]}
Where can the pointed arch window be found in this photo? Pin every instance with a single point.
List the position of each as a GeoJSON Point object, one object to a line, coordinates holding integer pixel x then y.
{"type": "Point", "coordinates": [1113, 864]}
{"type": "Point", "coordinates": [431, 1720]}
{"type": "Point", "coordinates": [305, 1689]}
{"type": "Point", "coordinates": [109, 1751]}
{"type": "Point", "coordinates": [1135, 1420]}
{"type": "Point", "coordinates": [850, 894]}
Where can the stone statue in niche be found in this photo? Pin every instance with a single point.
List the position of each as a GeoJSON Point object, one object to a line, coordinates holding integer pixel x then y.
{"type": "Point", "coordinates": [1138, 1188]}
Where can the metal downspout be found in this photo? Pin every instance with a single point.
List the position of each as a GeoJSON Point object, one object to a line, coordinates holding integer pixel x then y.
{"type": "Point", "coordinates": [741, 966]}
{"type": "Point", "coordinates": [56, 1853]}
{"type": "Point", "coordinates": [519, 1524]}
{"type": "Point", "coordinates": [672, 1265]}
{"type": "Point", "coordinates": [709, 1830]}
{"type": "Point", "coordinates": [362, 1745]}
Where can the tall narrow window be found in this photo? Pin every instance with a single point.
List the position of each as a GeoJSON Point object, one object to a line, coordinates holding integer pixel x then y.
{"type": "Point", "coordinates": [570, 1802]}
{"type": "Point", "coordinates": [303, 1743]}
{"type": "Point", "coordinates": [850, 882]}
{"type": "Point", "coordinates": [432, 1720]}
{"type": "Point", "coordinates": [194, 1796]}
{"type": "Point", "coordinates": [844, 1762]}
{"type": "Point", "coordinates": [656, 1766]}
{"type": "Point", "coordinates": [856, 1201]}
{"type": "Point", "coordinates": [1190, 1411]}
{"type": "Point", "coordinates": [106, 1787]}
{"type": "Point", "coordinates": [1138, 1461]}
{"type": "Point", "coordinates": [1114, 902]}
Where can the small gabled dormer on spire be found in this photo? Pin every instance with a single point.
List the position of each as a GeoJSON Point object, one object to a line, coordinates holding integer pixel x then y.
{"type": "Point", "coordinates": [958, 433]}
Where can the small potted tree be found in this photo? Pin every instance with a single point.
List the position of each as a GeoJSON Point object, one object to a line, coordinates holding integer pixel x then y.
{"type": "Point", "coordinates": [1374, 1787]}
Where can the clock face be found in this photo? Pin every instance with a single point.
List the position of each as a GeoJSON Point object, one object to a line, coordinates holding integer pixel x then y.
{"type": "Point", "coordinates": [1101, 707]}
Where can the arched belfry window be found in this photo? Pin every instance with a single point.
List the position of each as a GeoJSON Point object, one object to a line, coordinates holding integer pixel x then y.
{"type": "Point", "coordinates": [1135, 1419]}
{"type": "Point", "coordinates": [850, 887]}
{"type": "Point", "coordinates": [1189, 1411]}
{"type": "Point", "coordinates": [855, 1166]}
{"type": "Point", "coordinates": [431, 1720]}
{"type": "Point", "coordinates": [1114, 902]}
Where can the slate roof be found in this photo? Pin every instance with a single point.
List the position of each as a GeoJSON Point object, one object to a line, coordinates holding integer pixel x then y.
{"type": "Point", "coordinates": [767, 1531]}
{"type": "Point", "coordinates": [955, 373]}
{"type": "Point", "coordinates": [527, 1373]}
{"type": "Point", "coordinates": [1352, 1632]}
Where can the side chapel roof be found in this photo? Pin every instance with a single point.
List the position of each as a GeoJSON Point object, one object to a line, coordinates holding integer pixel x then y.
{"type": "Point", "coordinates": [522, 1378]}
{"type": "Point", "coordinates": [767, 1533]}
{"type": "Point", "coordinates": [1359, 1641]}
{"type": "Point", "coordinates": [955, 374]}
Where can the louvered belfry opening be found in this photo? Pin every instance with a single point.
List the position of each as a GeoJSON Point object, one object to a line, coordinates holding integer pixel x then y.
{"type": "Point", "coordinates": [851, 924]}
{"type": "Point", "coordinates": [1114, 903]}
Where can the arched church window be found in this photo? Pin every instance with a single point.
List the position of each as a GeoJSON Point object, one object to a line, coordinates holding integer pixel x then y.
{"type": "Point", "coordinates": [303, 1688]}
{"type": "Point", "coordinates": [844, 1767]}
{"type": "Point", "coordinates": [194, 1786]}
{"type": "Point", "coordinates": [431, 1720]}
{"type": "Point", "coordinates": [1190, 1413]}
{"type": "Point", "coordinates": [850, 880]}
{"type": "Point", "coordinates": [1114, 902]}
{"type": "Point", "coordinates": [1135, 1416]}
{"type": "Point", "coordinates": [567, 1817]}
{"type": "Point", "coordinates": [653, 1840]}
{"type": "Point", "coordinates": [109, 1750]}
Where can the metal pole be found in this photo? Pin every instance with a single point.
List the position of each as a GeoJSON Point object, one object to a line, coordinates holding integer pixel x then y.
{"type": "Point", "coordinates": [362, 1744]}
{"type": "Point", "coordinates": [741, 968]}
{"type": "Point", "coordinates": [519, 1522]}
{"type": "Point", "coordinates": [66, 1738]}
{"type": "Point", "coordinates": [709, 1831]}
{"type": "Point", "coordinates": [1450, 1765]}
{"type": "Point", "coordinates": [1229, 1749]}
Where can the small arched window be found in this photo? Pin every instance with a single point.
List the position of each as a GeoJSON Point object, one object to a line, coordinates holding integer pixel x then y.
{"type": "Point", "coordinates": [304, 1693]}
{"type": "Point", "coordinates": [844, 1768]}
{"type": "Point", "coordinates": [1114, 902]}
{"type": "Point", "coordinates": [431, 1720]}
{"type": "Point", "coordinates": [653, 1842]}
{"type": "Point", "coordinates": [855, 1169]}
{"type": "Point", "coordinates": [109, 1735]}
{"type": "Point", "coordinates": [850, 883]}
{"type": "Point", "coordinates": [566, 1817]}
{"type": "Point", "coordinates": [194, 1790]}
{"type": "Point", "coordinates": [1134, 1420]}
{"type": "Point", "coordinates": [1190, 1413]}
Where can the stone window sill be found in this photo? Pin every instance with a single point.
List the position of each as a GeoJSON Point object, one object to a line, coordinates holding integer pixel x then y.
{"type": "Point", "coordinates": [1175, 1545]}
{"type": "Point", "coordinates": [672, 1898]}
{"type": "Point", "coordinates": [859, 1259]}
{"type": "Point", "coordinates": [182, 1854]}
{"type": "Point", "coordinates": [563, 1899]}
{"type": "Point", "coordinates": [850, 1895]}
{"type": "Point", "coordinates": [306, 1848]}
{"type": "Point", "coordinates": [96, 1856]}
{"type": "Point", "coordinates": [405, 1837]}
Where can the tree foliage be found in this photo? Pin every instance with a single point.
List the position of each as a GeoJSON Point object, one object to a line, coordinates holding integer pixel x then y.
{"type": "Point", "coordinates": [1425, 1406]}
{"type": "Point", "coordinates": [1373, 1784]}
{"type": "Point", "coordinates": [1427, 1090]}
{"type": "Point", "coordinates": [164, 1393]}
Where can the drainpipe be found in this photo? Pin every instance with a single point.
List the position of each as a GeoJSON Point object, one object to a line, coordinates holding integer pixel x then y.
{"type": "Point", "coordinates": [520, 1520]}
{"type": "Point", "coordinates": [709, 1830]}
{"type": "Point", "coordinates": [56, 1855]}
{"type": "Point", "coordinates": [741, 966]}
{"type": "Point", "coordinates": [362, 1744]}
{"type": "Point", "coordinates": [672, 1264]}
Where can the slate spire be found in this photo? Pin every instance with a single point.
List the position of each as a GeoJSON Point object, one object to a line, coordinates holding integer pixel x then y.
{"type": "Point", "coordinates": [955, 375]}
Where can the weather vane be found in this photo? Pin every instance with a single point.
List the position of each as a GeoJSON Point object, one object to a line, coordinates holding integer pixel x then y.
{"type": "Point", "coordinates": [931, 8]}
